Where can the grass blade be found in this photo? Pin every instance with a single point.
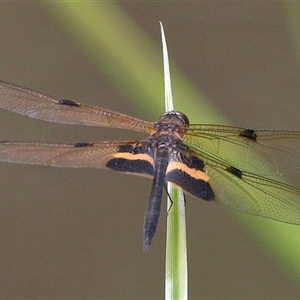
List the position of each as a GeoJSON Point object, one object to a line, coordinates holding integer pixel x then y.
{"type": "Point", "coordinates": [176, 250]}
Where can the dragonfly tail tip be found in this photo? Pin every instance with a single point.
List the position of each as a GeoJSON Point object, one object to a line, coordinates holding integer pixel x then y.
{"type": "Point", "coordinates": [146, 244]}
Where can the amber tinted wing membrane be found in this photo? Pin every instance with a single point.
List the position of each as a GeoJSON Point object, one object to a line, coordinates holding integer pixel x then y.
{"type": "Point", "coordinates": [262, 152]}
{"type": "Point", "coordinates": [117, 156]}
{"type": "Point", "coordinates": [45, 107]}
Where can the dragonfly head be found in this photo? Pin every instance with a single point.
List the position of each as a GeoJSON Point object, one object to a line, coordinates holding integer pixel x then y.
{"type": "Point", "coordinates": [176, 116]}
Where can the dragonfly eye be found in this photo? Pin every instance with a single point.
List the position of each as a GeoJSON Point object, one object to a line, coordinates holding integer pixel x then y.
{"type": "Point", "coordinates": [176, 116]}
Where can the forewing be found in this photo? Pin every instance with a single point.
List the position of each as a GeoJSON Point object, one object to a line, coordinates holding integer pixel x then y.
{"type": "Point", "coordinates": [117, 156]}
{"type": "Point", "coordinates": [38, 105]}
{"type": "Point", "coordinates": [261, 152]}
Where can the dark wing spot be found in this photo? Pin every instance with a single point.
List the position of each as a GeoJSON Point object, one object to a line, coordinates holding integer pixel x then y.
{"type": "Point", "coordinates": [130, 166]}
{"type": "Point", "coordinates": [191, 177]}
{"type": "Point", "coordinates": [68, 102]}
{"type": "Point", "coordinates": [139, 160]}
{"type": "Point", "coordinates": [78, 145]}
{"type": "Point", "coordinates": [195, 186]}
{"type": "Point", "coordinates": [193, 162]}
{"type": "Point", "coordinates": [238, 173]}
{"type": "Point", "coordinates": [127, 148]}
{"type": "Point", "coordinates": [135, 149]}
{"type": "Point", "coordinates": [249, 134]}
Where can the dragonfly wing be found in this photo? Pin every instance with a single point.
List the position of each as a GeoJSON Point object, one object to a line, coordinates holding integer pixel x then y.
{"type": "Point", "coordinates": [38, 105]}
{"type": "Point", "coordinates": [127, 156]}
{"type": "Point", "coordinates": [210, 179]}
{"type": "Point", "coordinates": [255, 195]}
{"type": "Point", "coordinates": [261, 152]}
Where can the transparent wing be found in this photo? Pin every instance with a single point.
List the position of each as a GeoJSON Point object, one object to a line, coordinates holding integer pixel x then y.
{"type": "Point", "coordinates": [265, 152]}
{"type": "Point", "coordinates": [38, 105]}
{"type": "Point", "coordinates": [79, 155]}
{"type": "Point", "coordinates": [251, 193]}
{"type": "Point", "coordinates": [256, 195]}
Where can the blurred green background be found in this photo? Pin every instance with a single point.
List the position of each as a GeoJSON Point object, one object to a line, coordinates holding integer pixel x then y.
{"type": "Point", "coordinates": [78, 233]}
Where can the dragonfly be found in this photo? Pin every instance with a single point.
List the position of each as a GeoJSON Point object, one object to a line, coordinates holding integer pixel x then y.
{"type": "Point", "coordinates": [237, 167]}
